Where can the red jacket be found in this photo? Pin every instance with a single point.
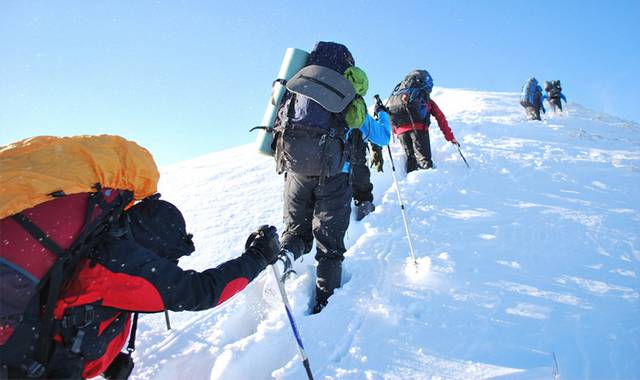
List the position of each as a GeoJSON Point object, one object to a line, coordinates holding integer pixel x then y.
{"type": "Point", "coordinates": [124, 277]}
{"type": "Point", "coordinates": [419, 126]}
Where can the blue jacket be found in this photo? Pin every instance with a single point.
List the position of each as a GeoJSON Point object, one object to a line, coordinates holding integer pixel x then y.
{"type": "Point", "coordinates": [375, 131]}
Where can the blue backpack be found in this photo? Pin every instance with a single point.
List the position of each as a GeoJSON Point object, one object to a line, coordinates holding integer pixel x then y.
{"type": "Point", "coordinates": [408, 103]}
{"type": "Point", "coordinates": [309, 139]}
{"type": "Point", "coordinates": [528, 95]}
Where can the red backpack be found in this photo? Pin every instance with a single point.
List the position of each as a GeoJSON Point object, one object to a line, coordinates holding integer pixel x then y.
{"type": "Point", "coordinates": [58, 197]}
{"type": "Point", "coordinates": [40, 249]}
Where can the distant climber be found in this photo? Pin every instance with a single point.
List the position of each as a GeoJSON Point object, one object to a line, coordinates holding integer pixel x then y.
{"type": "Point", "coordinates": [554, 95]}
{"type": "Point", "coordinates": [410, 106]}
{"type": "Point", "coordinates": [531, 99]}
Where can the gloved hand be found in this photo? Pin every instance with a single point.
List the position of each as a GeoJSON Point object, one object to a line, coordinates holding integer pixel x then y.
{"type": "Point", "coordinates": [377, 161]}
{"type": "Point", "coordinates": [265, 242]}
{"type": "Point", "coordinates": [380, 108]}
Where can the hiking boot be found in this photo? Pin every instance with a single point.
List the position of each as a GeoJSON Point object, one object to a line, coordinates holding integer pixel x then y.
{"type": "Point", "coordinates": [318, 307]}
{"type": "Point", "coordinates": [363, 209]}
{"type": "Point", "coordinates": [285, 260]}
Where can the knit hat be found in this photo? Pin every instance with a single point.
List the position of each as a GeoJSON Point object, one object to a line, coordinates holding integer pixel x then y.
{"type": "Point", "coordinates": [160, 227]}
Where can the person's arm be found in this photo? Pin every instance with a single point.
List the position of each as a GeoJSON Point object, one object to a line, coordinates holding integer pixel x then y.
{"type": "Point", "coordinates": [442, 121]}
{"type": "Point", "coordinates": [377, 131]}
{"type": "Point", "coordinates": [143, 281]}
{"type": "Point", "coordinates": [563, 97]}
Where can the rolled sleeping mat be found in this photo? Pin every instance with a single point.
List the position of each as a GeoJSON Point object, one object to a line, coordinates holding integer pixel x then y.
{"type": "Point", "coordinates": [294, 60]}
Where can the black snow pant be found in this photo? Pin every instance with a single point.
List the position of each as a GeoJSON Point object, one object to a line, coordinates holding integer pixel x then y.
{"type": "Point", "coordinates": [417, 148]}
{"type": "Point", "coordinates": [320, 211]}
{"type": "Point", "coordinates": [360, 174]}
{"type": "Point", "coordinates": [556, 104]}
{"type": "Point", "coordinates": [533, 113]}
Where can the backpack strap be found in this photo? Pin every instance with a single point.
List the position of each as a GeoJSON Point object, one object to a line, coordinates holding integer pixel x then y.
{"type": "Point", "coordinates": [336, 125]}
{"type": "Point", "coordinates": [427, 97]}
{"type": "Point", "coordinates": [291, 109]}
{"type": "Point", "coordinates": [55, 280]}
{"type": "Point", "coordinates": [324, 159]}
{"type": "Point", "coordinates": [132, 335]}
{"type": "Point", "coordinates": [37, 234]}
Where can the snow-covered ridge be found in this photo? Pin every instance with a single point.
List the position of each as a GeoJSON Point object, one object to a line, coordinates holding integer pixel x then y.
{"type": "Point", "coordinates": [528, 262]}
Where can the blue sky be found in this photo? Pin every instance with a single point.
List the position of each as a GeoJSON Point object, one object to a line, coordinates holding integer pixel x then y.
{"type": "Point", "coordinates": [191, 77]}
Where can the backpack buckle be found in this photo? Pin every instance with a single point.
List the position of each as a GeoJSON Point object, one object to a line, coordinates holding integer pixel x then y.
{"type": "Point", "coordinates": [77, 342]}
{"type": "Point", "coordinates": [34, 369]}
{"type": "Point", "coordinates": [331, 134]}
{"type": "Point", "coordinates": [79, 319]}
{"type": "Point", "coordinates": [89, 316]}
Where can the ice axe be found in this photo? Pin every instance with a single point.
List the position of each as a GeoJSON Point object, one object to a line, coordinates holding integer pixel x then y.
{"type": "Point", "coordinates": [461, 155]}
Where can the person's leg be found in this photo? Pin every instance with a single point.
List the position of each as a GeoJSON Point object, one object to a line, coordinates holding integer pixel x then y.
{"type": "Point", "coordinates": [360, 174]}
{"type": "Point", "coordinates": [406, 140]}
{"type": "Point", "coordinates": [537, 114]}
{"type": "Point", "coordinates": [377, 160]}
{"type": "Point", "coordinates": [330, 223]}
{"type": "Point", "coordinates": [422, 147]}
{"type": "Point", "coordinates": [298, 214]}
{"type": "Point", "coordinates": [361, 183]}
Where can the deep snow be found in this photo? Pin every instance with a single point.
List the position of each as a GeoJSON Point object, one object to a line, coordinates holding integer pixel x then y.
{"type": "Point", "coordinates": [528, 262]}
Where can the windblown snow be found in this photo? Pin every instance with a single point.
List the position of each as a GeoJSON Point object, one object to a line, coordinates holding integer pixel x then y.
{"type": "Point", "coordinates": [528, 263]}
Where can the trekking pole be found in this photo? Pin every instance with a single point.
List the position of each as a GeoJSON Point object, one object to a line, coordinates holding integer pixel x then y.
{"type": "Point", "coordinates": [292, 322]}
{"type": "Point", "coordinates": [395, 180]}
{"type": "Point", "coordinates": [461, 155]}
{"type": "Point", "coordinates": [404, 216]}
{"type": "Point", "coordinates": [166, 319]}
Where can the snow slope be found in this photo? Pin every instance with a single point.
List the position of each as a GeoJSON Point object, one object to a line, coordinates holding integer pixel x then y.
{"type": "Point", "coordinates": [528, 262]}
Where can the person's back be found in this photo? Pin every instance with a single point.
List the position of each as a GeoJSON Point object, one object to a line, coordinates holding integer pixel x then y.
{"type": "Point", "coordinates": [411, 107]}
{"type": "Point", "coordinates": [312, 147]}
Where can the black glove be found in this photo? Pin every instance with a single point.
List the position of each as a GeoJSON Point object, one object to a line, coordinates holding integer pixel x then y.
{"type": "Point", "coordinates": [380, 108]}
{"type": "Point", "coordinates": [376, 157]}
{"type": "Point", "coordinates": [264, 242]}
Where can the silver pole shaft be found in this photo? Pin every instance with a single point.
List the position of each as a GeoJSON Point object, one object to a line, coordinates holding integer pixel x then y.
{"type": "Point", "coordinates": [404, 216]}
